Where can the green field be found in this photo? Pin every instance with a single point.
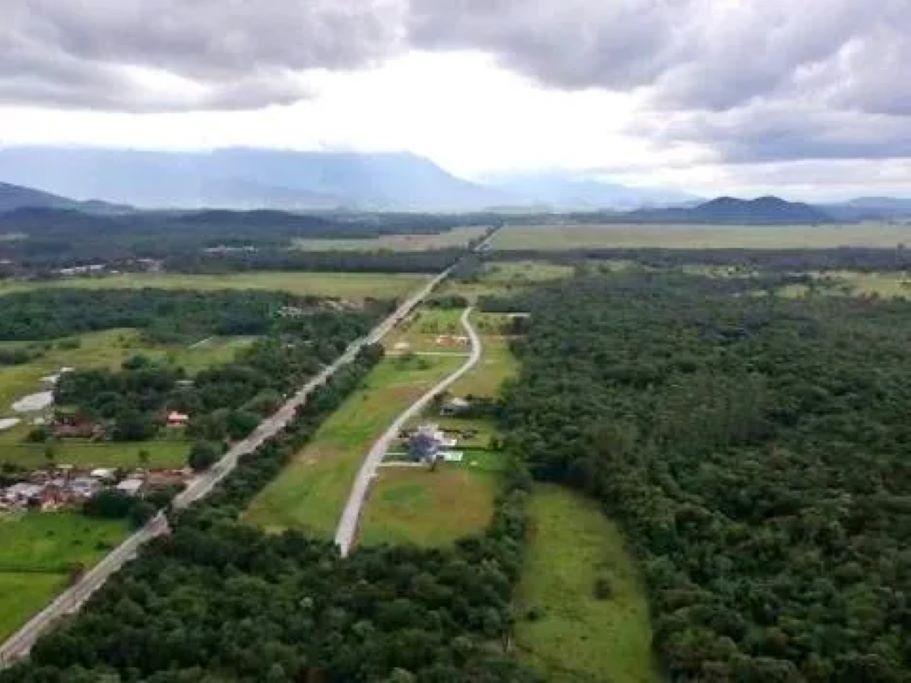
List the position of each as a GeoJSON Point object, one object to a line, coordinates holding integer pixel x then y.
{"type": "Point", "coordinates": [428, 508]}
{"type": "Point", "coordinates": [457, 237]}
{"type": "Point", "coordinates": [37, 551]}
{"type": "Point", "coordinates": [575, 636]}
{"type": "Point", "coordinates": [429, 329]}
{"type": "Point", "coordinates": [311, 491]}
{"type": "Point", "coordinates": [497, 362]}
{"type": "Point", "coordinates": [354, 286]}
{"type": "Point", "coordinates": [887, 285]}
{"type": "Point", "coordinates": [673, 236]}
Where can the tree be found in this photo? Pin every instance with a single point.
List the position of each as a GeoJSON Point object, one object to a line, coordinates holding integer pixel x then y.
{"type": "Point", "coordinates": [203, 455]}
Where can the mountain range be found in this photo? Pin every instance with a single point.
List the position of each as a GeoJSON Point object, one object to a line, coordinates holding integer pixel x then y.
{"type": "Point", "coordinates": [105, 180]}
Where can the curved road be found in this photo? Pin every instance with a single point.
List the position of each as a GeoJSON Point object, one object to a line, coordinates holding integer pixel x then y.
{"type": "Point", "coordinates": [347, 526]}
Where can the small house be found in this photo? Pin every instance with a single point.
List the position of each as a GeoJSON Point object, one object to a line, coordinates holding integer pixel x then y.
{"type": "Point", "coordinates": [177, 419]}
{"type": "Point", "coordinates": [426, 441]}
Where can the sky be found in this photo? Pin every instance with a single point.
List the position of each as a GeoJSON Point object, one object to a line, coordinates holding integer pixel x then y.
{"type": "Point", "coordinates": [807, 99]}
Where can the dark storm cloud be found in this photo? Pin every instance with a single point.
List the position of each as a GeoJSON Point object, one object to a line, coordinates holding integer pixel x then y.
{"type": "Point", "coordinates": [222, 54]}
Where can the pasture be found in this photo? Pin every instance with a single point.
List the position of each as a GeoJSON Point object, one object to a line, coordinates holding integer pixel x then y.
{"type": "Point", "coordinates": [562, 629]}
{"type": "Point", "coordinates": [38, 552]}
{"type": "Point", "coordinates": [311, 491]}
{"type": "Point", "coordinates": [448, 239]}
{"type": "Point", "coordinates": [558, 237]}
{"type": "Point", "coordinates": [352, 286]}
{"type": "Point", "coordinates": [888, 285]}
{"type": "Point", "coordinates": [428, 508]}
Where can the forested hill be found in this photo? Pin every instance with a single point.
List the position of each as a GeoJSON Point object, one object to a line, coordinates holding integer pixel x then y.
{"type": "Point", "coordinates": [762, 210]}
{"type": "Point", "coordinates": [13, 197]}
{"type": "Point", "coordinates": [755, 450]}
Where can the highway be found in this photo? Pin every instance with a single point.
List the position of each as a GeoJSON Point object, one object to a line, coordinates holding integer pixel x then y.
{"type": "Point", "coordinates": [347, 526]}
{"type": "Point", "coordinates": [20, 643]}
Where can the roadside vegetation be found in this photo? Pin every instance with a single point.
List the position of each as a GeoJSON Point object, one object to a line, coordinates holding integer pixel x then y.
{"type": "Point", "coordinates": [456, 237]}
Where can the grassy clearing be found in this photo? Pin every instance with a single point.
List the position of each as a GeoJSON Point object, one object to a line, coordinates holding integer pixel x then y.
{"type": "Point", "coordinates": [888, 285]}
{"type": "Point", "coordinates": [524, 272]}
{"type": "Point", "coordinates": [37, 551]}
{"type": "Point", "coordinates": [354, 286]}
{"type": "Point", "coordinates": [497, 363]}
{"type": "Point", "coordinates": [163, 452]}
{"type": "Point", "coordinates": [430, 329]}
{"type": "Point", "coordinates": [564, 237]}
{"type": "Point", "coordinates": [311, 491]}
{"type": "Point", "coordinates": [576, 636]}
{"type": "Point", "coordinates": [415, 505]}
{"type": "Point", "coordinates": [457, 237]}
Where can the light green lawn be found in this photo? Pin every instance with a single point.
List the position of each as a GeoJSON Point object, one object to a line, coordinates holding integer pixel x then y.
{"type": "Point", "coordinates": [37, 551]}
{"type": "Point", "coordinates": [565, 237]}
{"type": "Point", "coordinates": [578, 637]}
{"type": "Point", "coordinates": [354, 286]}
{"type": "Point", "coordinates": [457, 237]}
{"type": "Point", "coordinates": [423, 330]}
{"type": "Point", "coordinates": [311, 491]}
{"type": "Point", "coordinates": [428, 508]}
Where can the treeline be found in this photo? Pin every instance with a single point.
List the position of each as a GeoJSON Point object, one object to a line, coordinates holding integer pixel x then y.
{"type": "Point", "coordinates": [219, 600]}
{"type": "Point", "coordinates": [328, 261]}
{"type": "Point", "coordinates": [55, 238]}
{"type": "Point", "coordinates": [164, 315]}
{"type": "Point", "coordinates": [755, 450]}
{"type": "Point", "coordinates": [778, 260]}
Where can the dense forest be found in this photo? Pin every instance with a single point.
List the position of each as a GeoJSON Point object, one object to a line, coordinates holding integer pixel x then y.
{"type": "Point", "coordinates": [217, 600]}
{"type": "Point", "coordinates": [164, 315]}
{"type": "Point", "coordinates": [756, 451]}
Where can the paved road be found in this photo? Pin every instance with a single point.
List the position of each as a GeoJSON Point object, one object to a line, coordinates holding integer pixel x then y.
{"type": "Point", "coordinates": [19, 644]}
{"type": "Point", "coordinates": [347, 526]}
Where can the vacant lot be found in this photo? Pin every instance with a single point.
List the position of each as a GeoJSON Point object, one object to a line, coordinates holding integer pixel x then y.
{"type": "Point", "coordinates": [353, 286]}
{"type": "Point", "coordinates": [562, 629]}
{"type": "Point", "coordinates": [428, 508]}
{"type": "Point", "coordinates": [37, 554]}
{"type": "Point", "coordinates": [457, 237]}
{"type": "Point", "coordinates": [497, 362]}
{"type": "Point", "coordinates": [564, 237]}
{"type": "Point", "coordinates": [430, 329]}
{"type": "Point", "coordinates": [311, 491]}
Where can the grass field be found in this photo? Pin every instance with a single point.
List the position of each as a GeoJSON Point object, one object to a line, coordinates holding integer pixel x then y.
{"type": "Point", "coordinates": [577, 637]}
{"type": "Point", "coordinates": [497, 363]}
{"type": "Point", "coordinates": [415, 505]}
{"type": "Point", "coordinates": [311, 491]}
{"type": "Point", "coordinates": [457, 237]}
{"type": "Point", "coordinates": [36, 553]}
{"type": "Point", "coordinates": [354, 286]}
{"type": "Point", "coordinates": [851, 283]}
{"type": "Point", "coordinates": [423, 329]}
{"type": "Point", "coordinates": [564, 237]}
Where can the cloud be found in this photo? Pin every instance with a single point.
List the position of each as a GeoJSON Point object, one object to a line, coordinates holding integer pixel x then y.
{"type": "Point", "coordinates": [161, 55]}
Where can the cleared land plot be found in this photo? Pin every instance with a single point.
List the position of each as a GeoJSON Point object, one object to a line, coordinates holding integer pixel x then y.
{"type": "Point", "coordinates": [37, 552]}
{"type": "Point", "coordinates": [430, 329]}
{"type": "Point", "coordinates": [575, 635]}
{"type": "Point", "coordinates": [457, 237]}
{"type": "Point", "coordinates": [428, 508]}
{"type": "Point", "coordinates": [311, 491]}
{"type": "Point", "coordinates": [500, 278]}
{"type": "Point", "coordinates": [354, 286]}
{"type": "Point", "coordinates": [497, 363]}
{"type": "Point", "coordinates": [565, 237]}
